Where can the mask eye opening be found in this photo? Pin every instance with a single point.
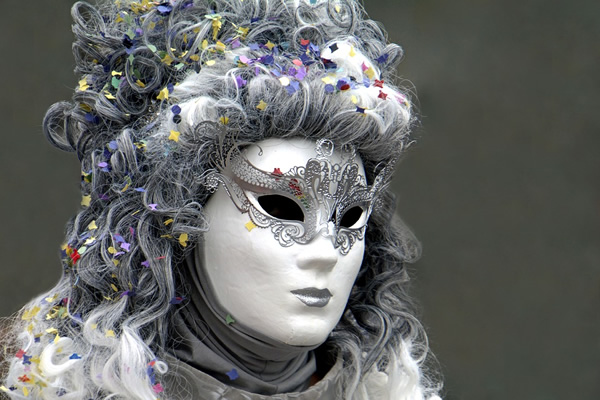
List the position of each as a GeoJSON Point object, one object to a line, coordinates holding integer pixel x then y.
{"type": "Point", "coordinates": [352, 216]}
{"type": "Point", "coordinates": [281, 207]}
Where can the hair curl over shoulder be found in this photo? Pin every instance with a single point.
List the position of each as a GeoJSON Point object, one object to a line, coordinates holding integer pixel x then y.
{"type": "Point", "coordinates": [159, 84]}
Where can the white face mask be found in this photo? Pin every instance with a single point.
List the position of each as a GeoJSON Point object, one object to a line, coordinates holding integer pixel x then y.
{"type": "Point", "coordinates": [285, 244]}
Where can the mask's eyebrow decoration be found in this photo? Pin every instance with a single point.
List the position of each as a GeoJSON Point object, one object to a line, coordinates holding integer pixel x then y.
{"type": "Point", "coordinates": [322, 197]}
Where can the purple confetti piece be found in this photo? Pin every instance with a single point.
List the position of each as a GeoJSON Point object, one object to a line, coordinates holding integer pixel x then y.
{"type": "Point", "coordinates": [276, 73]}
{"type": "Point", "coordinates": [254, 46]}
{"type": "Point", "coordinates": [141, 190]}
{"type": "Point", "coordinates": [127, 293]}
{"type": "Point", "coordinates": [367, 82]}
{"type": "Point", "coordinates": [329, 88]}
{"type": "Point", "coordinates": [300, 73]}
{"type": "Point", "coordinates": [253, 20]}
{"type": "Point", "coordinates": [240, 82]}
{"type": "Point", "coordinates": [232, 375]}
{"type": "Point", "coordinates": [113, 145]}
{"type": "Point", "coordinates": [103, 196]}
{"type": "Point", "coordinates": [170, 88]}
{"type": "Point", "coordinates": [245, 59]}
{"type": "Point", "coordinates": [139, 31]}
{"type": "Point", "coordinates": [153, 206]}
{"type": "Point", "coordinates": [146, 264]}
{"type": "Point", "coordinates": [102, 164]}
{"type": "Point", "coordinates": [126, 246]}
{"type": "Point", "coordinates": [235, 44]}
{"type": "Point", "coordinates": [119, 253]}
{"type": "Point", "coordinates": [256, 71]}
{"type": "Point", "coordinates": [119, 238]}
{"type": "Point", "coordinates": [176, 109]}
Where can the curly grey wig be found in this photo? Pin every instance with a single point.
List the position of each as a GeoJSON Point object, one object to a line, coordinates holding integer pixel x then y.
{"type": "Point", "coordinates": [159, 84]}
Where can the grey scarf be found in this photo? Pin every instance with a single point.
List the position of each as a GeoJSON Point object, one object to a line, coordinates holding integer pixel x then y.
{"type": "Point", "coordinates": [203, 339]}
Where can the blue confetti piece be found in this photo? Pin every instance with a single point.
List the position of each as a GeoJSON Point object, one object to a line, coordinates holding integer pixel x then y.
{"type": "Point", "coordinates": [177, 300]}
{"type": "Point", "coordinates": [75, 356]}
{"type": "Point", "coordinates": [232, 375]}
{"type": "Point", "coordinates": [329, 88]}
{"type": "Point", "coordinates": [176, 109]}
{"type": "Point", "coordinates": [113, 145]}
{"type": "Point", "coordinates": [164, 9]}
{"type": "Point", "coordinates": [383, 58]}
{"type": "Point", "coordinates": [170, 88]}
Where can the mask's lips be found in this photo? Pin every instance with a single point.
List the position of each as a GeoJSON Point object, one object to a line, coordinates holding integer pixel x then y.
{"type": "Point", "coordinates": [313, 297]}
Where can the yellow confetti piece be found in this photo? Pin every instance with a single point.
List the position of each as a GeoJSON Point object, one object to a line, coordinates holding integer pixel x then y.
{"type": "Point", "coordinates": [370, 72]}
{"type": "Point", "coordinates": [166, 236]}
{"type": "Point", "coordinates": [89, 241]}
{"type": "Point", "coordinates": [112, 250]}
{"type": "Point", "coordinates": [25, 391]}
{"type": "Point", "coordinates": [338, 8]}
{"type": "Point", "coordinates": [169, 221]}
{"type": "Point", "coordinates": [224, 120]}
{"type": "Point", "coordinates": [243, 32]}
{"type": "Point", "coordinates": [83, 85]}
{"type": "Point", "coordinates": [262, 105]}
{"type": "Point", "coordinates": [195, 57]}
{"type": "Point", "coordinates": [86, 200]}
{"type": "Point", "coordinates": [183, 239]}
{"type": "Point", "coordinates": [270, 45]}
{"type": "Point", "coordinates": [352, 52]}
{"type": "Point", "coordinates": [163, 94]}
{"type": "Point", "coordinates": [210, 62]}
{"type": "Point", "coordinates": [285, 81]}
{"type": "Point", "coordinates": [114, 287]}
{"type": "Point", "coordinates": [174, 136]}
{"type": "Point", "coordinates": [220, 46]}
{"type": "Point", "coordinates": [204, 44]}
{"type": "Point", "coordinates": [110, 333]}
{"type": "Point", "coordinates": [167, 59]}
{"type": "Point", "coordinates": [92, 225]}
{"type": "Point", "coordinates": [85, 107]}
{"type": "Point", "coordinates": [52, 330]}
{"type": "Point", "coordinates": [151, 25]}
{"type": "Point", "coordinates": [29, 314]}
{"type": "Point", "coordinates": [109, 95]}
{"type": "Point", "coordinates": [56, 339]}
{"type": "Point", "coordinates": [354, 99]}
{"type": "Point", "coordinates": [328, 80]}
{"type": "Point", "coordinates": [216, 26]}
{"type": "Point", "coordinates": [4, 388]}
{"type": "Point", "coordinates": [140, 83]}
{"type": "Point", "coordinates": [250, 225]}
{"type": "Point", "coordinates": [116, 73]}
{"type": "Point", "coordinates": [94, 326]}
{"type": "Point", "coordinates": [116, 262]}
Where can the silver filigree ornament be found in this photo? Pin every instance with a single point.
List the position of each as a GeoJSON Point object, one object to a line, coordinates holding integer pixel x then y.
{"type": "Point", "coordinates": [323, 190]}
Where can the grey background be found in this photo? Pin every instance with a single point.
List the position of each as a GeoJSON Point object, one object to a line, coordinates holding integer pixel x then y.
{"type": "Point", "coordinates": [502, 187]}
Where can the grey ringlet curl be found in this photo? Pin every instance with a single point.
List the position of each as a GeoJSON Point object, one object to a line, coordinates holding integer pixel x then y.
{"type": "Point", "coordinates": [147, 190]}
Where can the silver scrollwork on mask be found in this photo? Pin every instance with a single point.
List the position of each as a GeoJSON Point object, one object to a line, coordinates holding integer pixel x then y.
{"type": "Point", "coordinates": [334, 198]}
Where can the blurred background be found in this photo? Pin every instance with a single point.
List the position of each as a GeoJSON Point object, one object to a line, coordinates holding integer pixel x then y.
{"type": "Point", "coordinates": [502, 188]}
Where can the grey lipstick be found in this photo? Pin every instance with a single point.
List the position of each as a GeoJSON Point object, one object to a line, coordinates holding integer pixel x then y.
{"type": "Point", "coordinates": [313, 297]}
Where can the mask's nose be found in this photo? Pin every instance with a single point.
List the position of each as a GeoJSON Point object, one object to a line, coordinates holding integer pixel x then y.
{"type": "Point", "coordinates": [319, 253]}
